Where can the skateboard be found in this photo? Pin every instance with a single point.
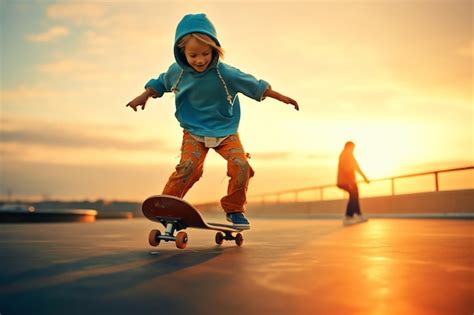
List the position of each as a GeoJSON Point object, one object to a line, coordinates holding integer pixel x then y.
{"type": "Point", "coordinates": [177, 214]}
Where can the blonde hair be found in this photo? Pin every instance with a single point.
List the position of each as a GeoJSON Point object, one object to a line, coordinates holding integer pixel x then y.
{"type": "Point", "coordinates": [203, 39]}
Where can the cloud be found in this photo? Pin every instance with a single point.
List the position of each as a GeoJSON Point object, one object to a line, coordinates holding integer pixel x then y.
{"type": "Point", "coordinates": [271, 155]}
{"type": "Point", "coordinates": [321, 157]}
{"type": "Point", "coordinates": [76, 12]}
{"type": "Point", "coordinates": [81, 68]}
{"type": "Point", "coordinates": [51, 34]}
{"type": "Point", "coordinates": [467, 50]}
{"type": "Point", "coordinates": [281, 155]}
{"type": "Point", "coordinates": [71, 136]}
{"type": "Point", "coordinates": [68, 66]}
{"type": "Point", "coordinates": [30, 140]}
{"type": "Point", "coordinates": [27, 93]}
{"type": "Point", "coordinates": [31, 180]}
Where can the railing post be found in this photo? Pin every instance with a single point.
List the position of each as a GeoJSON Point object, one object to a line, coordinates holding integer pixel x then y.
{"type": "Point", "coordinates": [278, 198]}
{"type": "Point", "coordinates": [321, 194]}
{"type": "Point", "coordinates": [436, 181]}
{"type": "Point", "coordinates": [393, 186]}
{"type": "Point", "coordinates": [296, 196]}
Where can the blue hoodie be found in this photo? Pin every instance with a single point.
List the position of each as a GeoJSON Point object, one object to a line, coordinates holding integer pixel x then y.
{"type": "Point", "coordinates": [202, 105]}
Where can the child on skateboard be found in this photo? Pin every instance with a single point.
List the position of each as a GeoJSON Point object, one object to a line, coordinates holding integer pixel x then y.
{"type": "Point", "coordinates": [208, 110]}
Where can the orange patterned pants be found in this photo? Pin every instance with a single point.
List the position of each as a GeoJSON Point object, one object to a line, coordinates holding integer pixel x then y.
{"type": "Point", "coordinates": [190, 169]}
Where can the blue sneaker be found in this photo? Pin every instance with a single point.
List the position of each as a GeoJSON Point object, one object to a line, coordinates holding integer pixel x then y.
{"type": "Point", "coordinates": [239, 221]}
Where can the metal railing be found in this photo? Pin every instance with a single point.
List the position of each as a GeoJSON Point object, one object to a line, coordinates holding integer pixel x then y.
{"type": "Point", "coordinates": [321, 188]}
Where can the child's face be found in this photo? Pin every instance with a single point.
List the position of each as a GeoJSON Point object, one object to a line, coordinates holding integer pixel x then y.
{"type": "Point", "coordinates": [198, 55]}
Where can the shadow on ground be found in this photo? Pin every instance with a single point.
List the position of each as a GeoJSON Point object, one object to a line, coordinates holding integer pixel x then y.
{"type": "Point", "coordinates": [93, 279]}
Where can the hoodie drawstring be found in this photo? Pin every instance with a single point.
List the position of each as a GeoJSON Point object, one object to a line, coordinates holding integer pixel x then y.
{"type": "Point", "coordinates": [174, 89]}
{"type": "Point", "coordinates": [230, 99]}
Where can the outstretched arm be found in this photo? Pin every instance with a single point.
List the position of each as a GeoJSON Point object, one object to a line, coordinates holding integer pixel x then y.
{"type": "Point", "coordinates": [361, 173]}
{"type": "Point", "coordinates": [282, 98]}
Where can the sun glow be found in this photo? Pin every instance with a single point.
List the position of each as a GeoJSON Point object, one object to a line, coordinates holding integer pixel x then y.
{"type": "Point", "coordinates": [383, 148]}
{"type": "Point", "coordinates": [397, 85]}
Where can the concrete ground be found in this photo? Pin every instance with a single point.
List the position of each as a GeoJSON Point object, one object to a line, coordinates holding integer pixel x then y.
{"type": "Point", "coordinates": [384, 266]}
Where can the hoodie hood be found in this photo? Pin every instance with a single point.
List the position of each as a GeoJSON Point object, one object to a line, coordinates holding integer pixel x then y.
{"type": "Point", "coordinates": [194, 23]}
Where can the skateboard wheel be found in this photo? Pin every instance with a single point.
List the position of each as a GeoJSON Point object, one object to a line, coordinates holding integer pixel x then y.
{"type": "Point", "coordinates": [239, 239]}
{"type": "Point", "coordinates": [219, 238]}
{"type": "Point", "coordinates": [153, 237]}
{"type": "Point", "coordinates": [181, 240]}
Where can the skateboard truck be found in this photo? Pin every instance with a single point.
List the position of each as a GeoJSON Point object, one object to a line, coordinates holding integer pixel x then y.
{"type": "Point", "coordinates": [221, 236]}
{"type": "Point", "coordinates": [171, 225]}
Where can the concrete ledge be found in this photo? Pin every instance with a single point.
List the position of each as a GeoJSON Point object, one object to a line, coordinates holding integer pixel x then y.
{"type": "Point", "coordinates": [102, 215]}
{"type": "Point", "coordinates": [70, 215]}
{"type": "Point", "coordinates": [453, 216]}
{"type": "Point", "coordinates": [331, 216]}
{"type": "Point", "coordinates": [443, 204]}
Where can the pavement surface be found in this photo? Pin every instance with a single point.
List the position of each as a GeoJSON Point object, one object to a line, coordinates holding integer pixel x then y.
{"type": "Point", "coordinates": [384, 266]}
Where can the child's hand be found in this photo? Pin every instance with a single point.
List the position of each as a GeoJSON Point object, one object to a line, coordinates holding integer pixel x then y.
{"type": "Point", "coordinates": [138, 101]}
{"type": "Point", "coordinates": [289, 100]}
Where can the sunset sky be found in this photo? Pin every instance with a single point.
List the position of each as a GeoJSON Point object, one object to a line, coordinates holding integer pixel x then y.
{"type": "Point", "coordinates": [395, 77]}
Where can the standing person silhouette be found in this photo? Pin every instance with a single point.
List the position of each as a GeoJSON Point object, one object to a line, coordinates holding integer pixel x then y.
{"type": "Point", "coordinates": [346, 180]}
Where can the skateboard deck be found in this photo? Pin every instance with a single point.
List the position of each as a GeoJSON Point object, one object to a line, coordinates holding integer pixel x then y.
{"type": "Point", "coordinates": [176, 214]}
